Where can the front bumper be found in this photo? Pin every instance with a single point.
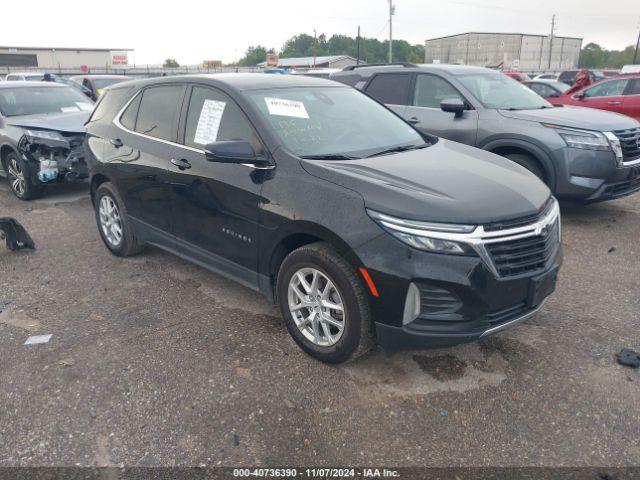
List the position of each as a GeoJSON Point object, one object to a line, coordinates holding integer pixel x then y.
{"type": "Point", "coordinates": [461, 298]}
{"type": "Point", "coordinates": [594, 176]}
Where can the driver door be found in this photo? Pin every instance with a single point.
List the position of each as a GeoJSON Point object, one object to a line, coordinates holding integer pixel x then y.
{"type": "Point", "coordinates": [425, 114]}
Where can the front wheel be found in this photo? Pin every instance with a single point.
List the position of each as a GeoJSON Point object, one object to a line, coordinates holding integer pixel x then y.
{"type": "Point", "coordinates": [19, 174]}
{"type": "Point", "coordinates": [324, 304]}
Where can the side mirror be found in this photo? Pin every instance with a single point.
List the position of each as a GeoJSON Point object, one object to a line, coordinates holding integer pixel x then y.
{"type": "Point", "coordinates": [452, 105]}
{"type": "Point", "coordinates": [232, 151]}
{"type": "Point", "coordinates": [580, 96]}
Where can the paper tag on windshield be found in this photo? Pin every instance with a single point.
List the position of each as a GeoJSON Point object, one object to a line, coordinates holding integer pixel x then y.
{"type": "Point", "coordinates": [87, 107]}
{"type": "Point", "coordinates": [286, 108]}
{"type": "Point", "coordinates": [209, 122]}
{"type": "Point", "coordinates": [69, 109]}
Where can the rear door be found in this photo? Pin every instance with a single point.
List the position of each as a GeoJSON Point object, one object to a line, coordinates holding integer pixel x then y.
{"type": "Point", "coordinates": [139, 153]}
{"type": "Point", "coordinates": [425, 114]}
{"type": "Point", "coordinates": [392, 89]}
{"type": "Point", "coordinates": [606, 95]}
{"type": "Point", "coordinates": [631, 102]}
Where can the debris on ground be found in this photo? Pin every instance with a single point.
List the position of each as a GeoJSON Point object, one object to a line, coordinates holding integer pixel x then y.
{"type": "Point", "coordinates": [612, 249]}
{"type": "Point", "coordinates": [15, 235]}
{"type": "Point", "coordinates": [628, 358]}
{"type": "Point", "coordinates": [67, 362]}
{"type": "Point", "coordinates": [443, 413]}
{"type": "Point", "coordinates": [236, 440]}
{"type": "Point", "coordinates": [38, 339]}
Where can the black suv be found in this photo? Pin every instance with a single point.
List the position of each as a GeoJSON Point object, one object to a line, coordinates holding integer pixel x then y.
{"type": "Point", "coordinates": [580, 153]}
{"type": "Point", "coordinates": [322, 199]}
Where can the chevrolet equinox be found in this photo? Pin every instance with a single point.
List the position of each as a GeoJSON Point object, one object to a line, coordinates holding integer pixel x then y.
{"type": "Point", "coordinates": [358, 226]}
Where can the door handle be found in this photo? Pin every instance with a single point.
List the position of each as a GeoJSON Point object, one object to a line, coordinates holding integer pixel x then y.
{"type": "Point", "coordinates": [414, 120]}
{"type": "Point", "coordinates": [116, 142]}
{"type": "Point", "coordinates": [182, 164]}
{"type": "Point", "coordinates": [614, 103]}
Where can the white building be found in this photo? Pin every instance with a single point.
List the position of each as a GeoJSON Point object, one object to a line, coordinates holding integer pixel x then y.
{"type": "Point", "coordinates": [509, 51]}
{"type": "Point", "coordinates": [63, 58]}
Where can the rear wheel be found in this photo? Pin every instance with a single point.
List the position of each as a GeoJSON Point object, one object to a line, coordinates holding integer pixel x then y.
{"type": "Point", "coordinates": [113, 225]}
{"type": "Point", "coordinates": [324, 304]}
{"type": "Point", "coordinates": [528, 162]}
{"type": "Point", "coordinates": [19, 173]}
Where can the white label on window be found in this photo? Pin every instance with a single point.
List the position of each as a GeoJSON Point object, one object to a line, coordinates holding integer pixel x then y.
{"type": "Point", "coordinates": [209, 122]}
{"type": "Point", "coordinates": [286, 108]}
{"type": "Point", "coordinates": [69, 109]}
{"type": "Point", "coordinates": [85, 106]}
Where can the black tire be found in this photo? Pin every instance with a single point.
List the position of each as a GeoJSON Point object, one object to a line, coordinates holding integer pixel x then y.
{"type": "Point", "coordinates": [357, 335]}
{"type": "Point", "coordinates": [28, 190]}
{"type": "Point", "coordinates": [528, 162]}
{"type": "Point", "coordinates": [128, 244]}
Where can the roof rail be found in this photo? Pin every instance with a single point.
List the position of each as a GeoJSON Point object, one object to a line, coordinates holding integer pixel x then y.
{"type": "Point", "coordinates": [398, 64]}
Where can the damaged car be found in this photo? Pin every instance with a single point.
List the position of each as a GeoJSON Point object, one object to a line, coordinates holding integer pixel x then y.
{"type": "Point", "coordinates": [41, 134]}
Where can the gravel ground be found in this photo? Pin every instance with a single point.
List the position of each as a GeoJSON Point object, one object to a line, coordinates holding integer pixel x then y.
{"type": "Point", "coordinates": [157, 362]}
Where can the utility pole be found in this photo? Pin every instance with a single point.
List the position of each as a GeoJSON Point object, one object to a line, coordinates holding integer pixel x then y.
{"type": "Point", "coordinates": [553, 29]}
{"type": "Point", "coordinates": [315, 47]}
{"type": "Point", "coordinates": [391, 11]}
{"type": "Point", "coordinates": [635, 54]}
{"type": "Point", "coordinates": [358, 47]}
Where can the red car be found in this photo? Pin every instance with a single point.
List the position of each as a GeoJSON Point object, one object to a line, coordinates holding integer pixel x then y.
{"type": "Point", "coordinates": [519, 76]}
{"type": "Point", "coordinates": [620, 94]}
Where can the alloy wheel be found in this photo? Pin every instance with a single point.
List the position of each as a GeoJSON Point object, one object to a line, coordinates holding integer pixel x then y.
{"type": "Point", "coordinates": [316, 307]}
{"type": "Point", "coordinates": [16, 177]}
{"type": "Point", "coordinates": [110, 222]}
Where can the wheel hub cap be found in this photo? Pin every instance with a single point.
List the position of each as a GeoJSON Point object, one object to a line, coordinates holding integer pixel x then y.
{"type": "Point", "coordinates": [16, 177]}
{"type": "Point", "coordinates": [316, 307]}
{"type": "Point", "coordinates": [110, 221]}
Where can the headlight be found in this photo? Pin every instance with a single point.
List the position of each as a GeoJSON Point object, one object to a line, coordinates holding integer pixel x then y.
{"type": "Point", "coordinates": [589, 140]}
{"type": "Point", "coordinates": [45, 135]}
{"type": "Point", "coordinates": [427, 236]}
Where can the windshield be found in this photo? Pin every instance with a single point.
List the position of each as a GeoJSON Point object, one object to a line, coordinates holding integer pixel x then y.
{"type": "Point", "coordinates": [563, 87]}
{"type": "Point", "coordinates": [101, 83]}
{"type": "Point", "coordinates": [41, 100]}
{"type": "Point", "coordinates": [495, 90]}
{"type": "Point", "coordinates": [329, 121]}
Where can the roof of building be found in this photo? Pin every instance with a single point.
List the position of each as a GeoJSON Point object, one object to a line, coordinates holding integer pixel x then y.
{"type": "Point", "coordinates": [308, 61]}
{"type": "Point", "coordinates": [69, 49]}
{"type": "Point", "coordinates": [501, 33]}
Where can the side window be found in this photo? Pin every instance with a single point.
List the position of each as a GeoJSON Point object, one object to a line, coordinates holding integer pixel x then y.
{"type": "Point", "coordinates": [543, 90]}
{"type": "Point", "coordinates": [390, 88]}
{"type": "Point", "coordinates": [213, 116]}
{"type": "Point", "coordinates": [431, 90]}
{"type": "Point", "coordinates": [87, 84]}
{"type": "Point", "coordinates": [128, 118]}
{"type": "Point", "coordinates": [157, 113]}
{"type": "Point", "coordinates": [612, 88]}
{"type": "Point", "coordinates": [635, 87]}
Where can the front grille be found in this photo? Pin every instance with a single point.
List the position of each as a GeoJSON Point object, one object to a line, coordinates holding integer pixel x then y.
{"type": "Point", "coordinates": [630, 143]}
{"type": "Point", "coordinates": [521, 221]}
{"type": "Point", "coordinates": [623, 188]}
{"type": "Point", "coordinates": [524, 255]}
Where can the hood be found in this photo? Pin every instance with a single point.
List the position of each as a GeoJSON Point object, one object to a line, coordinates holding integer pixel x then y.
{"type": "Point", "coordinates": [447, 182]}
{"type": "Point", "coordinates": [575, 117]}
{"type": "Point", "coordinates": [62, 122]}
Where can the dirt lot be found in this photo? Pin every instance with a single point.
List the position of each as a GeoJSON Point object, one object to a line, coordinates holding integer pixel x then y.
{"type": "Point", "coordinates": [154, 361]}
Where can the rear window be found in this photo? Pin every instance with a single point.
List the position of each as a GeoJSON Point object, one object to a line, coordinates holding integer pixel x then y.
{"type": "Point", "coordinates": [390, 88]}
{"type": "Point", "coordinates": [347, 79]}
{"type": "Point", "coordinates": [568, 75]}
{"type": "Point", "coordinates": [158, 111]}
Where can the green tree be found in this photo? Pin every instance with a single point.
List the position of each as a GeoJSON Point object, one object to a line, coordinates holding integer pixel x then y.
{"type": "Point", "coordinates": [254, 55]}
{"type": "Point", "coordinates": [592, 56]}
{"type": "Point", "coordinates": [170, 63]}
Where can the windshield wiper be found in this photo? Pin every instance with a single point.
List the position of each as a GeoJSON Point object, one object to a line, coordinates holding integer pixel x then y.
{"type": "Point", "coordinates": [401, 148]}
{"type": "Point", "coordinates": [329, 156]}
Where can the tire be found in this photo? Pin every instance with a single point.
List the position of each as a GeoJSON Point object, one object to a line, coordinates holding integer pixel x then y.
{"type": "Point", "coordinates": [125, 243]}
{"type": "Point", "coordinates": [528, 162]}
{"type": "Point", "coordinates": [356, 336]}
{"type": "Point", "coordinates": [20, 174]}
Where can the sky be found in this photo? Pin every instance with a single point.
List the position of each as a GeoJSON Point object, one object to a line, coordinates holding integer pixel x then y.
{"type": "Point", "coordinates": [192, 31]}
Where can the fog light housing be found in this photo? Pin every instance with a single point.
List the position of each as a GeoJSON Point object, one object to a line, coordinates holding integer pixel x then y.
{"type": "Point", "coordinates": [411, 305]}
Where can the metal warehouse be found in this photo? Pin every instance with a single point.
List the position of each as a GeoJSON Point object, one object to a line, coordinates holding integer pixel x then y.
{"type": "Point", "coordinates": [510, 51]}
{"type": "Point", "coordinates": [59, 58]}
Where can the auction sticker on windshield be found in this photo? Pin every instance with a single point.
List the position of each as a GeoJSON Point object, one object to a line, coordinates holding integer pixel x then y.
{"type": "Point", "coordinates": [286, 108]}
